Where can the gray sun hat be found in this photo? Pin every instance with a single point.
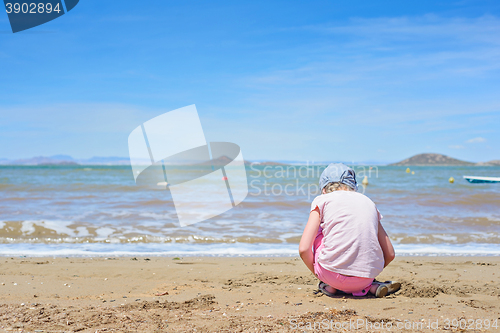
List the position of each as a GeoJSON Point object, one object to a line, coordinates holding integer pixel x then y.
{"type": "Point", "coordinates": [338, 173]}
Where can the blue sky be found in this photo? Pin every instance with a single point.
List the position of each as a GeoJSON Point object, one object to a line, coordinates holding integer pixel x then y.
{"type": "Point", "coordinates": [286, 80]}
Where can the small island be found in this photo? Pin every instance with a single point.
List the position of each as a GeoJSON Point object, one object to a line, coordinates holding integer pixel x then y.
{"type": "Point", "coordinates": [440, 160]}
{"type": "Point", "coordinates": [432, 160]}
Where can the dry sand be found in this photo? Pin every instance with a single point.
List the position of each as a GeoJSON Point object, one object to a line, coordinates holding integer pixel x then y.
{"type": "Point", "coordinates": [208, 294]}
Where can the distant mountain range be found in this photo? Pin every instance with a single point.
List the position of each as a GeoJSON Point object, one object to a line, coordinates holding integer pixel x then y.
{"type": "Point", "coordinates": [420, 159]}
{"type": "Point", "coordinates": [113, 160]}
{"type": "Point", "coordinates": [67, 160]}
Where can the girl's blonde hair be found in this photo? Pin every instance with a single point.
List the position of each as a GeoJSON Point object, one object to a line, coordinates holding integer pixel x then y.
{"type": "Point", "coordinates": [330, 187]}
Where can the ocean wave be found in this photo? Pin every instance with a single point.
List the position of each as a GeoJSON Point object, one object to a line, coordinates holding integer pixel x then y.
{"type": "Point", "coordinates": [223, 232]}
{"type": "Point", "coordinates": [447, 238]}
{"type": "Point", "coordinates": [60, 232]}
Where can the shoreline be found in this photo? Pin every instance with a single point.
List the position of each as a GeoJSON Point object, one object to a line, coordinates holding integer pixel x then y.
{"type": "Point", "coordinates": [223, 250]}
{"type": "Point", "coordinates": [227, 294]}
{"type": "Point", "coordinates": [233, 256]}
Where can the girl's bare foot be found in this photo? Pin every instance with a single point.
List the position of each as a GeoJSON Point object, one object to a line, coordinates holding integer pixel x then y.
{"type": "Point", "coordinates": [330, 289]}
{"type": "Point", "coordinates": [326, 289]}
{"type": "Point", "coordinates": [380, 289]}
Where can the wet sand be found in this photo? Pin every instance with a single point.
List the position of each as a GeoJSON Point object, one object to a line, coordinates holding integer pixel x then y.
{"type": "Point", "coordinates": [205, 294]}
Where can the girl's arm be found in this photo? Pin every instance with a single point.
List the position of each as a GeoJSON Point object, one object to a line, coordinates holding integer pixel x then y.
{"type": "Point", "coordinates": [386, 245]}
{"type": "Point", "coordinates": [308, 237]}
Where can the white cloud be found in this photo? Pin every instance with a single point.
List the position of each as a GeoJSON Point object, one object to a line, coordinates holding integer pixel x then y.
{"type": "Point", "coordinates": [401, 55]}
{"type": "Point", "coordinates": [476, 140]}
{"type": "Point", "coordinates": [76, 117]}
{"type": "Point", "coordinates": [456, 147]}
{"type": "Point", "coordinates": [426, 29]}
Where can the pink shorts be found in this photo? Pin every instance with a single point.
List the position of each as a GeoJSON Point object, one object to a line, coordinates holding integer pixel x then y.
{"type": "Point", "coordinates": [358, 286]}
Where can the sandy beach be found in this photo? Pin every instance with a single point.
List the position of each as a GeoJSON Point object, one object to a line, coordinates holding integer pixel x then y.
{"type": "Point", "coordinates": [205, 294]}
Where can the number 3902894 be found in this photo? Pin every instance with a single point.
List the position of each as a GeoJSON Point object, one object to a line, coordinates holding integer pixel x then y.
{"type": "Point", "coordinates": [32, 8]}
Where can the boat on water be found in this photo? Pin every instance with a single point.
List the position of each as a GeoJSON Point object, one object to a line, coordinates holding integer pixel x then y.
{"type": "Point", "coordinates": [474, 179]}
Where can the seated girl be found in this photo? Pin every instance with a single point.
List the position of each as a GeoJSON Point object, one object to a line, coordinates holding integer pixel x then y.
{"type": "Point", "coordinates": [344, 243]}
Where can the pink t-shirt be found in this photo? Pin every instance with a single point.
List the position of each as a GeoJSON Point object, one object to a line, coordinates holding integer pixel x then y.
{"type": "Point", "coordinates": [350, 228]}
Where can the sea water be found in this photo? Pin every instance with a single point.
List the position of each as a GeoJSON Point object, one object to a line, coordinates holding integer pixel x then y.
{"type": "Point", "coordinates": [100, 211]}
